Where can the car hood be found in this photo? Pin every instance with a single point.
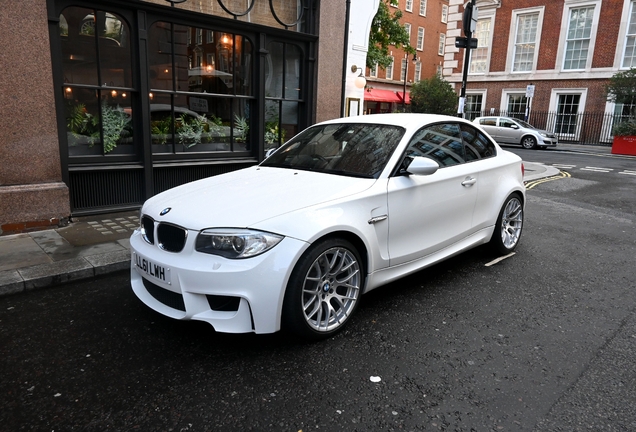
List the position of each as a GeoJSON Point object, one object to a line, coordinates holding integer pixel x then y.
{"type": "Point", "coordinates": [243, 198]}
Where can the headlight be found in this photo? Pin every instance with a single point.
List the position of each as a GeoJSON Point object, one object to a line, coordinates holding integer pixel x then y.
{"type": "Point", "coordinates": [543, 134]}
{"type": "Point", "coordinates": [235, 244]}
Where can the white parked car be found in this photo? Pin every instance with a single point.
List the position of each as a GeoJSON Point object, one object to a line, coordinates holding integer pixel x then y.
{"type": "Point", "coordinates": [507, 130]}
{"type": "Point", "coordinates": [344, 207]}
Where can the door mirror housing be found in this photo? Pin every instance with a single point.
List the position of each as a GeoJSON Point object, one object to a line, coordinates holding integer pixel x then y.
{"type": "Point", "coordinates": [422, 166]}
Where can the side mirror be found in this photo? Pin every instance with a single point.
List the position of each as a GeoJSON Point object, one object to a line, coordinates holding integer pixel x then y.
{"type": "Point", "coordinates": [514, 126]}
{"type": "Point", "coordinates": [270, 152]}
{"type": "Point", "coordinates": [422, 166]}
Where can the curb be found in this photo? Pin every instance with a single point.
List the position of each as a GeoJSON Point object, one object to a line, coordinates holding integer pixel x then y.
{"type": "Point", "coordinates": [44, 275]}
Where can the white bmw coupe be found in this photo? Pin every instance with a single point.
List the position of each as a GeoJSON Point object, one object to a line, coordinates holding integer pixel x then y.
{"type": "Point", "coordinates": [344, 207]}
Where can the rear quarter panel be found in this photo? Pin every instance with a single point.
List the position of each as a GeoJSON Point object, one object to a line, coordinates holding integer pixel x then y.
{"type": "Point", "coordinates": [499, 177]}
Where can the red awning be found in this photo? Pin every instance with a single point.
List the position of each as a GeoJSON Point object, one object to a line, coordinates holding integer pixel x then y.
{"type": "Point", "coordinates": [376, 95]}
{"type": "Point", "coordinates": [408, 97]}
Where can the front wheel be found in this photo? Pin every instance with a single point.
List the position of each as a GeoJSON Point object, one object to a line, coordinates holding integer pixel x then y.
{"type": "Point", "coordinates": [509, 224]}
{"type": "Point", "coordinates": [528, 142]}
{"type": "Point", "coordinates": [324, 289]}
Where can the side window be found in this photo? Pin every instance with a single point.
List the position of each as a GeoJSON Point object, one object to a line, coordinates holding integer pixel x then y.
{"type": "Point", "coordinates": [505, 123]}
{"type": "Point", "coordinates": [441, 142]}
{"type": "Point", "coordinates": [488, 121]}
{"type": "Point", "coordinates": [476, 145]}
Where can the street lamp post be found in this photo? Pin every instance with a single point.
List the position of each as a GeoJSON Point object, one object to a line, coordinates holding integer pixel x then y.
{"type": "Point", "coordinates": [406, 72]}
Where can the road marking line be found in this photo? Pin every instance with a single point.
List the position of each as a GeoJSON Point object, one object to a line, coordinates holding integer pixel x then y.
{"type": "Point", "coordinates": [597, 169]}
{"type": "Point", "coordinates": [564, 166]}
{"type": "Point", "coordinates": [491, 263]}
{"type": "Point", "coordinates": [562, 174]}
{"type": "Point", "coordinates": [628, 172]}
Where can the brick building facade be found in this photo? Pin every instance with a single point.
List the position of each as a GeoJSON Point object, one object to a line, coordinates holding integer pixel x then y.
{"type": "Point", "coordinates": [566, 49]}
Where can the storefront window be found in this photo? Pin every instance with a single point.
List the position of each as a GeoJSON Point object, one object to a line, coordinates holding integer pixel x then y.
{"type": "Point", "coordinates": [282, 93]}
{"type": "Point", "coordinates": [201, 89]}
{"type": "Point", "coordinates": [96, 62]}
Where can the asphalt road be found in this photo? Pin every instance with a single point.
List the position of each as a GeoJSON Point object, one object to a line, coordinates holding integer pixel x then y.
{"type": "Point", "coordinates": [543, 340]}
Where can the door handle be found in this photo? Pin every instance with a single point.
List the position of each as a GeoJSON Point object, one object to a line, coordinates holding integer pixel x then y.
{"type": "Point", "coordinates": [469, 181]}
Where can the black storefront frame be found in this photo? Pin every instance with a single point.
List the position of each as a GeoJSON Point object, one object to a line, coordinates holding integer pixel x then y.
{"type": "Point", "coordinates": [95, 187]}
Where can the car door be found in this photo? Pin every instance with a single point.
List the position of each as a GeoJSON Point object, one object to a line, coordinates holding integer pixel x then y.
{"type": "Point", "coordinates": [509, 131]}
{"type": "Point", "coordinates": [489, 124]}
{"type": "Point", "coordinates": [429, 213]}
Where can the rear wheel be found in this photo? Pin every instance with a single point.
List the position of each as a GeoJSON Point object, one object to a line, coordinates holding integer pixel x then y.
{"type": "Point", "coordinates": [324, 289]}
{"type": "Point", "coordinates": [509, 226]}
{"type": "Point", "coordinates": [529, 142]}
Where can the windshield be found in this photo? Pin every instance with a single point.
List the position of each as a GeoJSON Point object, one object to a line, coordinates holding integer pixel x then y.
{"type": "Point", "coordinates": [524, 124]}
{"type": "Point", "coordinates": [360, 150]}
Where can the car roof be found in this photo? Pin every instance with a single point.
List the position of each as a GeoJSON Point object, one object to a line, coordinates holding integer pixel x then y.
{"type": "Point", "coordinates": [406, 120]}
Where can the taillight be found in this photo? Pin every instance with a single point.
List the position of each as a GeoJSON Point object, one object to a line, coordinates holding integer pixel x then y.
{"type": "Point", "coordinates": [523, 170]}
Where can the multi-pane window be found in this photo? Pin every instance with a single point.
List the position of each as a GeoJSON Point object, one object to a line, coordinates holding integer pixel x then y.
{"type": "Point", "coordinates": [525, 42]}
{"type": "Point", "coordinates": [389, 70]}
{"type": "Point", "coordinates": [442, 44]}
{"type": "Point", "coordinates": [407, 27]}
{"type": "Point", "coordinates": [629, 57]}
{"type": "Point", "coordinates": [567, 113]}
{"type": "Point", "coordinates": [444, 13]}
{"type": "Point", "coordinates": [373, 72]}
{"type": "Point", "coordinates": [578, 37]}
{"type": "Point", "coordinates": [439, 70]}
{"type": "Point", "coordinates": [517, 104]}
{"type": "Point", "coordinates": [409, 5]}
{"type": "Point", "coordinates": [473, 105]}
{"type": "Point", "coordinates": [200, 96]}
{"type": "Point", "coordinates": [418, 72]}
{"type": "Point", "coordinates": [98, 86]}
{"type": "Point", "coordinates": [404, 69]}
{"type": "Point", "coordinates": [420, 38]}
{"type": "Point", "coordinates": [423, 7]}
{"type": "Point", "coordinates": [479, 56]}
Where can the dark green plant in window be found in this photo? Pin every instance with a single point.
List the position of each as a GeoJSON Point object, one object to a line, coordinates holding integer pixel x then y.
{"type": "Point", "coordinates": [84, 128]}
{"type": "Point", "coordinates": [621, 89]}
{"type": "Point", "coordinates": [241, 128]}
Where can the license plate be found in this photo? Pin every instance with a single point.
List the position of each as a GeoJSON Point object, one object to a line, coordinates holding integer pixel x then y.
{"type": "Point", "coordinates": [156, 271]}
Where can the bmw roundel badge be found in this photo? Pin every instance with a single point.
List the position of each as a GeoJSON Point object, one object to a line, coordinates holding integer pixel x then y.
{"type": "Point", "coordinates": [165, 211]}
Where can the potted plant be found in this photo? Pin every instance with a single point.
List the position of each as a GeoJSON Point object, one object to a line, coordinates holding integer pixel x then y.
{"type": "Point", "coordinates": [622, 90]}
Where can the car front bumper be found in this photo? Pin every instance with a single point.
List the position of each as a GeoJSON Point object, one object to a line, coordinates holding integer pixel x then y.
{"type": "Point", "coordinates": [549, 142]}
{"type": "Point", "coordinates": [234, 296]}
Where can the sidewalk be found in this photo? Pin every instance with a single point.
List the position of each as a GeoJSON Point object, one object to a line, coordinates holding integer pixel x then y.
{"type": "Point", "coordinates": [96, 245]}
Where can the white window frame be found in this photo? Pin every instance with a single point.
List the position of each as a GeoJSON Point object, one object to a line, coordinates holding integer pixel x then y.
{"type": "Point", "coordinates": [445, 14]}
{"type": "Point", "coordinates": [480, 92]}
{"type": "Point", "coordinates": [409, 6]}
{"type": "Point", "coordinates": [565, 22]}
{"type": "Point", "coordinates": [407, 27]}
{"type": "Point", "coordinates": [417, 76]}
{"type": "Point", "coordinates": [389, 69]}
{"type": "Point", "coordinates": [422, 7]}
{"type": "Point", "coordinates": [442, 44]}
{"type": "Point", "coordinates": [554, 100]}
{"type": "Point", "coordinates": [404, 69]}
{"type": "Point", "coordinates": [373, 72]}
{"type": "Point", "coordinates": [505, 96]}
{"type": "Point", "coordinates": [491, 17]}
{"type": "Point", "coordinates": [420, 39]}
{"type": "Point", "coordinates": [513, 37]}
{"type": "Point", "coordinates": [629, 8]}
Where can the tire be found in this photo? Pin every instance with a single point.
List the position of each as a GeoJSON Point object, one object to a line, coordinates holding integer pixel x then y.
{"type": "Point", "coordinates": [529, 142]}
{"type": "Point", "coordinates": [324, 290]}
{"type": "Point", "coordinates": [509, 225]}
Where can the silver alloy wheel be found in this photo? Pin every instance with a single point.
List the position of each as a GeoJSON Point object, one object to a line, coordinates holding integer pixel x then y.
{"type": "Point", "coordinates": [511, 223]}
{"type": "Point", "coordinates": [528, 142]}
{"type": "Point", "coordinates": [331, 289]}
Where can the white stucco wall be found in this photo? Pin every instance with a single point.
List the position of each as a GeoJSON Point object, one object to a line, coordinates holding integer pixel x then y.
{"type": "Point", "coordinates": [360, 19]}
